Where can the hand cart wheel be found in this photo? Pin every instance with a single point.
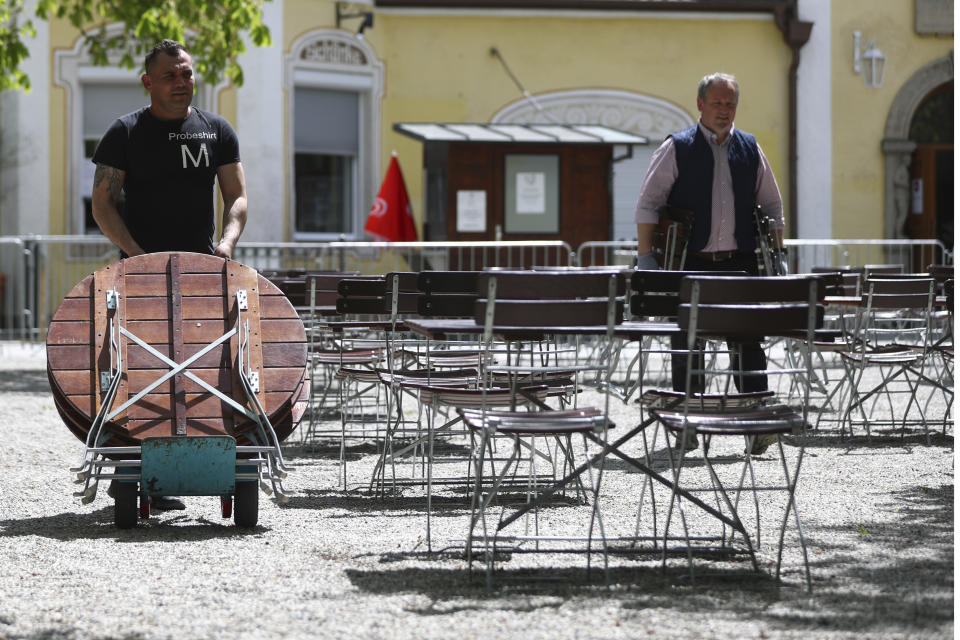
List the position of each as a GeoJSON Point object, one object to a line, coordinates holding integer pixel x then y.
{"type": "Point", "coordinates": [125, 505]}
{"type": "Point", "coordinates": [144, 507]}
{"type": "Point", "coordinates": [226, 506]}
{"type": "Point", "coordinates": [246, 506]}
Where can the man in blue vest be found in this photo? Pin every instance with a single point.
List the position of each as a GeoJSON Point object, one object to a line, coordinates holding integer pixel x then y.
{"type": "Point", "coordinates": [721, 175]}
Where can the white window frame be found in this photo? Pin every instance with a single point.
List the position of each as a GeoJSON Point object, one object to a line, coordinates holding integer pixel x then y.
{"type": "Point", "coordinates": [347, 64]}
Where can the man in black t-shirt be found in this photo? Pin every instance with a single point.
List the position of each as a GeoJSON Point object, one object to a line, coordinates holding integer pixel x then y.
{"type": "Point", "coordinates": [165, 157]}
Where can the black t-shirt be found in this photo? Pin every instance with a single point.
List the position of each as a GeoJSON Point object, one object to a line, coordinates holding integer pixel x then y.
{"type": "Point", "coordinates": [170, 168]}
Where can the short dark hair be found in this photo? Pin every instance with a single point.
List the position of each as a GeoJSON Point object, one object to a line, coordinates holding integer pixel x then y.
{"type": "Point", "coordinates": [169, 47]}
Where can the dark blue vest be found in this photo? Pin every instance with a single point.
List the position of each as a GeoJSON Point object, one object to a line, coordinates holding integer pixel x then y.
{"type": "Point", "coordinates": [694, 186]}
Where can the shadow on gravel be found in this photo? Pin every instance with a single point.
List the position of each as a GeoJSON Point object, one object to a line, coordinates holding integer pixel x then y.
{"type": "Point", "coordinates": [634, 587]}
{"type": "Point", "coordinates": [904, 581]}
{"type": "Point", "coordinates": [901, 584]}
{"type": "Point", "coordinates": [396, 505]}
{"type": "Point", "coordinates": [183, 527]}
{"type": "Point", "coordinates": [326, 449]}
{"type": "Point", "coordinates": [24, 381]}
{"type": "Point", "coordinates": [881, 440]}
{"type": "Point", "coordinates": [71, 633]}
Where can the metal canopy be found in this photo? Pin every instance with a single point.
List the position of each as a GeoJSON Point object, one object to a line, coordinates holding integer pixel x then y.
{"type": "Point", "coordinates": [540, 133]}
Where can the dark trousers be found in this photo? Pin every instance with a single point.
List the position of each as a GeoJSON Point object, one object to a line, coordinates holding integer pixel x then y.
{"type": "Point", "coordinates": [748, 355]}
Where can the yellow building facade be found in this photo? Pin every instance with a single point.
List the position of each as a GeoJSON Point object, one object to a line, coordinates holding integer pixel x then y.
{"type": "Point", "coordinates": [315, 116]}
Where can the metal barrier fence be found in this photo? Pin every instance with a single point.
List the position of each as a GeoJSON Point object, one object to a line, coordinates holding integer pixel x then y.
{"type": "Point", "coordinates": [805, 254]}
{"type": "Point", "coordinates": [54, 266]}
{"type": "Point", "coordinates": [36, 272]}
{"type": "Point", "coordinates": [15, 305]}
{"type": "Point", "coordinates": [384, 257]}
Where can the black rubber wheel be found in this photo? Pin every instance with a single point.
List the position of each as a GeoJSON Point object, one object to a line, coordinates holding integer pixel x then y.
{"type": "Point", "coordinates": [125, 507]}
{"type": "Point", "coordinates": [245, 505]}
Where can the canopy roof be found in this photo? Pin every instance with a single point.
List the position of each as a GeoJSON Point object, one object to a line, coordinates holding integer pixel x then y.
{"type": "Point", "coordinates": [539, 133]}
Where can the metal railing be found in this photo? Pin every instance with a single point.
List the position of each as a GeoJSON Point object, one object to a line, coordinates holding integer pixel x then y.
{"type": "Point", "coordinates": [384, 257]}
{"type": "Point", "coordinates": [16, 302]}
{"type": "Point", "coordinates": [37, 272]}
{"type": "Point", "coordinates": [804, 254]}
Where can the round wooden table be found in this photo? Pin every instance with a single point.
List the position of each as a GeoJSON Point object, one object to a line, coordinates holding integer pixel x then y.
{"type": "Point", "coordinates": [172, 306]}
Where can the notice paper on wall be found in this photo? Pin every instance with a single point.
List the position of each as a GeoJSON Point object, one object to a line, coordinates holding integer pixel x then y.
{"type": "Point", "coordinates": [471, 211]}
{"type": "Point", "coordinates": [531, 192]}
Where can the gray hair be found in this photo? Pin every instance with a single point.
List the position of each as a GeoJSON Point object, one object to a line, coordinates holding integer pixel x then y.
{"type": "Point", "coordinates": [708, 80]}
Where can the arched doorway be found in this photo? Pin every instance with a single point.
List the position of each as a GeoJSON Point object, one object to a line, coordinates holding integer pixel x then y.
{"type": "Point", "coordinates": [922, 92]}
{"type": "Point", "coordinates": [931, 170]}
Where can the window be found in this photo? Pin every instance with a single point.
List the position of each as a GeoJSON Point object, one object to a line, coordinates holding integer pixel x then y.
{"type": "Point", "coordinates": [334, 83]}
{"type": "Point", "coordinates": [102, 103]}
{"type": "Point", "coordinates": [326, 149]}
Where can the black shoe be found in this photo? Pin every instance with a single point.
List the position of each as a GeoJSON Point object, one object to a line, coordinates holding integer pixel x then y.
{"type": "Point", "coordinates": [165, 503]}
{"type": "Point", "coordinates": [690, 444]}
{"type": "Point", "coordinates": [761, 443]}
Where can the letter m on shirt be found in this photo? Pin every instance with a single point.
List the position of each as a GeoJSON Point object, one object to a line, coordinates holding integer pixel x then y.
{"type": "Point", "coordinates": [202, 155]}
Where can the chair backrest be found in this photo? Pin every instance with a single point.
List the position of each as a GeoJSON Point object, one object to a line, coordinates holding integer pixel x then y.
{"type": "Point", "coordinates": [448, 281]}
{"type": "Point", "coordinates": [554, 285]}
{"type": "Point", "coordinates": [373, 294]}
{"type": "Point", "coordinates": [321, 288]}
{"type": "Point", "coordinates": [743, 307]}
{"type": "Point", "coordinates": [898, 293]}
{"type": "Point", "coordinates": [870, 270]}
{"type": "Point", "coordinates": [724, 289]}
{"type": "Point", "coordinates": [657, 292]}
{"type": "Point", "coordinates": [554, 299]}
{"type": "Point", "coordinates": [447, 293]}
{"type": "Point", "coordinates": [832, 282]}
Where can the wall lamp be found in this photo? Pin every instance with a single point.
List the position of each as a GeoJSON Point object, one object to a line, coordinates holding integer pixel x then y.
{"type": "Point", "coordinates": [366, 15]}
{"type": "Point", "coordinates": [868, 60]}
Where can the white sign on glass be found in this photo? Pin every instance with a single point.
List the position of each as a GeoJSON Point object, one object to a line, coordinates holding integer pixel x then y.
{"type": "Point", "coordinates": [471, 211]}
{"type": "Point", "coordinates": [916, 196]}
{"type": "Point", "coordinates": [531, 192]}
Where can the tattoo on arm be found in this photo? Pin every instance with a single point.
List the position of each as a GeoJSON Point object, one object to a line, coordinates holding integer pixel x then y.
{"type": "Point", "coordinates": [110, 178]}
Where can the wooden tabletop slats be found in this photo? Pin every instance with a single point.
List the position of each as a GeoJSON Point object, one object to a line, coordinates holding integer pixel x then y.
{"type": "Point", "coordinates": [178, 303]}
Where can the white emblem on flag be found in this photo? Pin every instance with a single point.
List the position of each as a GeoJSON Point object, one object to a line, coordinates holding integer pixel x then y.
{"type": "Point", "coordinates": [379, 207]}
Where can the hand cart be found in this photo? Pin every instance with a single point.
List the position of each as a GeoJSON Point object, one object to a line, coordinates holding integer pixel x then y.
{"type": "Point", "coordinates": [181, 463]}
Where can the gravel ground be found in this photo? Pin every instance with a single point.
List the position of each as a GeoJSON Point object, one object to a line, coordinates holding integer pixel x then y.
{"type": "Point", "coordinates": [341, 563]}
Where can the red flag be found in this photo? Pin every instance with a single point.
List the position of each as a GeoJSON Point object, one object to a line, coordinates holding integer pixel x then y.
{"type": "Point", "coordinates": [391, 218]}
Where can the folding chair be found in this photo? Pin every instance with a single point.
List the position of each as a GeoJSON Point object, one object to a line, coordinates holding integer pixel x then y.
{"type": "Point", "coordinates": [739, 309]}
{"type": "Point", "coordinates": [893, 333]}
{"type": "Point", "coordinates": [518, 316]}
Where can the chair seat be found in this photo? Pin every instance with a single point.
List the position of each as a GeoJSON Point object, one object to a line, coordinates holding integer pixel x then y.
{"type": "Point", "coordinates": [900, 355]}
{"type": "Point", "coordinates": [478, 398]}
{"type": "Point", "coordinates": [350, 356]}
{"type": "Point", "coordinates": [770, 419]}
{"type": "Point", "coordinates": [583, 420]}
{"type": "Point", "coordinates": [665, 399]}
{"type": "Point", "coordinates": [455, 358]}
{"type": "Point", "coordinates": [433, 377]}
{"type": "Point", "coordinates": [353, 373]}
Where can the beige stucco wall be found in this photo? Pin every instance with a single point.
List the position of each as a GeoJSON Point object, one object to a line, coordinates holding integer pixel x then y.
{"type": "Point", "coordinates": [440, 69]}
{"type": "Point", "coordinates": [860, 113]}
